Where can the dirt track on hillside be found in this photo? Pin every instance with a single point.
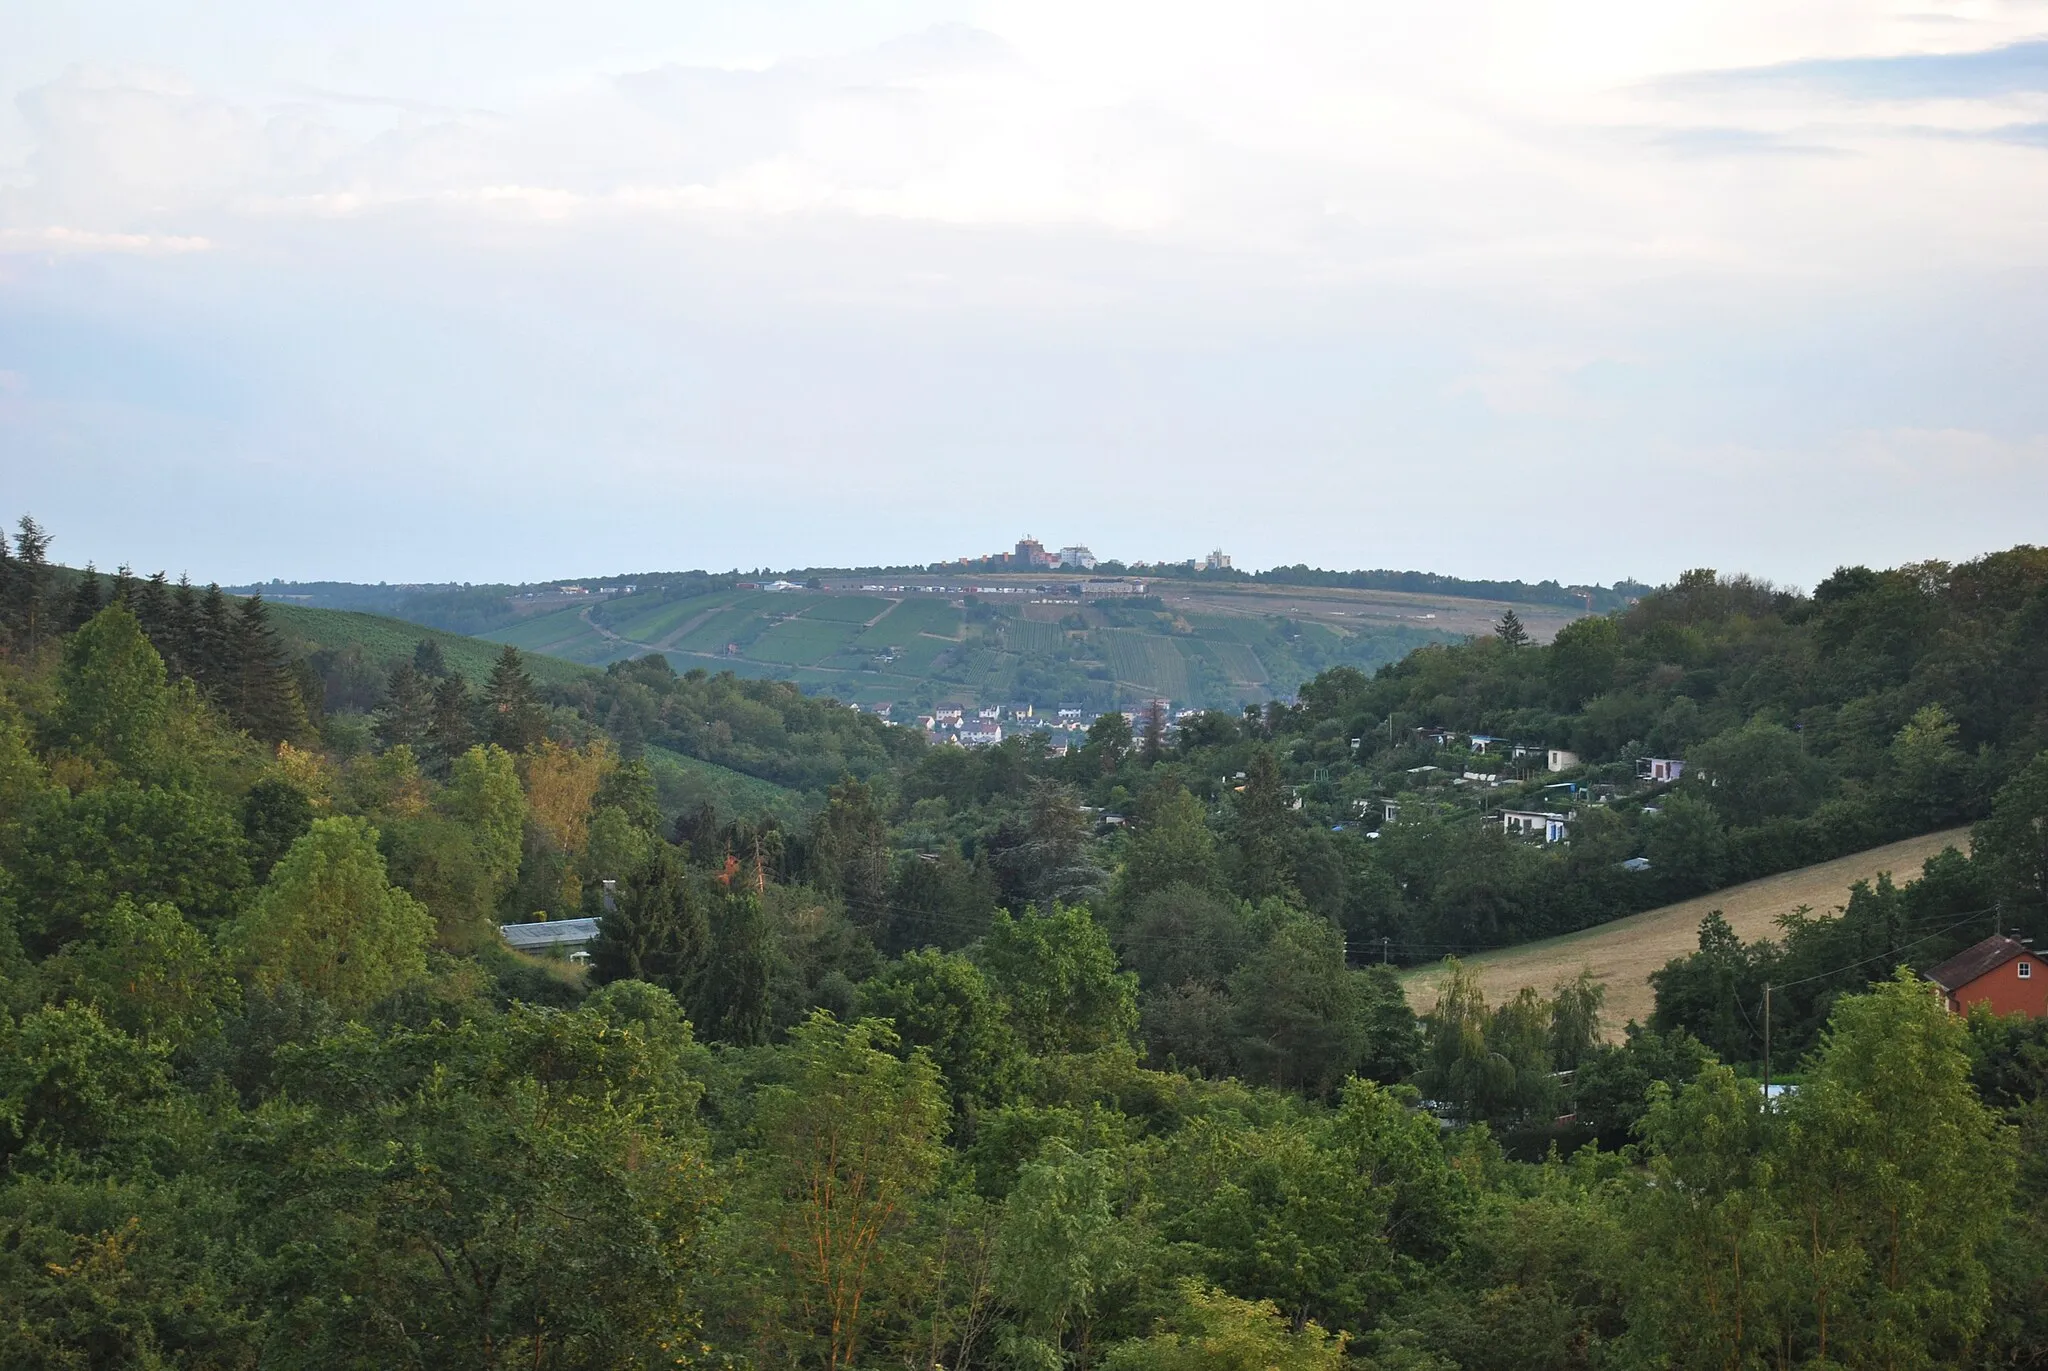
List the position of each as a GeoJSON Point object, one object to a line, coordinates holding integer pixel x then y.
{"type": "Point", "coordinates": [1622, 954]}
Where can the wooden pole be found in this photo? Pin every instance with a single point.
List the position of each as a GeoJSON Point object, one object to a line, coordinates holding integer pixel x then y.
{"type": "Point", "coordinates": [1767, 1045]}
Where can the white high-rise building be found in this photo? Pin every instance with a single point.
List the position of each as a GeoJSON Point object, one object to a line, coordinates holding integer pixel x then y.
{"type": "Point", "coordinates": [1077, 558]}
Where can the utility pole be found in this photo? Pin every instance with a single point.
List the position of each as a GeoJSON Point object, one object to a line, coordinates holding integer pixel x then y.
{"type": "Point", "coordinates": [1767, 1044]}
{"type": "Point", "coordinates": [1384, 942]}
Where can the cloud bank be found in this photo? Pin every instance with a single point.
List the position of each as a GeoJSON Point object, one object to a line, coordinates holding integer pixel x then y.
{"type": "Point", "coordinates": [1507, 290]}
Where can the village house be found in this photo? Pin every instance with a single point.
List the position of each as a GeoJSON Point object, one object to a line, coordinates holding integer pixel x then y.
{"type": "Point", "coordinates": [981, 732]}
{"type": "Point", "coordinates": [1560, 759]}
{"type": "Point", "coordinates": [948, 716]}
{"type": "Point", "coordinates": [1659, 770]}
{"type": "Point", "coordinates": [2002, 972]}
{"type": "Point", "coordinates": [1535, 823]}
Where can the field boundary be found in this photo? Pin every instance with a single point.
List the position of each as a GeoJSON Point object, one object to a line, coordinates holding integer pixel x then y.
{"type": "Point", "coordinates": [1623, 953]}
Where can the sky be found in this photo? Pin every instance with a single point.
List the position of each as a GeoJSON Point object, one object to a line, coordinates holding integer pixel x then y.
{"type": "Point", "coordinates": [416, 290]}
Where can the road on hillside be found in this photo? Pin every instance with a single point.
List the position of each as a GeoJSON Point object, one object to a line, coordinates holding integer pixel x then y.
{"type": "Point", "coordinates": [1622, 954]}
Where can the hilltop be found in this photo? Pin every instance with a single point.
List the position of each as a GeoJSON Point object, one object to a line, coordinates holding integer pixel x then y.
{"type": "Point", "coordinates": [920, 639]}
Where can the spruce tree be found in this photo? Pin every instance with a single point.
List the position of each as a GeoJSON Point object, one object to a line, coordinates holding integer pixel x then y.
{"type": "Point", "coordinates": [428, 660]}
{"type": "Point", "coordinates": [512, 715]}
{"type": "Point", "coordinates": [656, 931]}
{"type": "Point", "coordinates": [263, 693]}
{"type": "Point", "coordinates": [86, 600]}
{"type": "Point", "coordinates": [212, 661]}
{"type": "Point", "coordinates": [9, 571]}
{"type": "Point", "coordinates": [184, 623]}
{"type": "Point", "coordinates": [408, 709]}
{"type": "Point", "coordinates": [152, 606]}
{"type": "Point", "coordinates": [1263, 827]}
{"type": "Point", "coordinates": [28, 588]}
{"type": "Point", "coordinates": [450, 729]}
{"type": "Point", "coordinates": [731, 1004]}
{"type": "Point", "coordinates": [124, 587]}
{"type": "Point", "coordinates": [1510, 631]}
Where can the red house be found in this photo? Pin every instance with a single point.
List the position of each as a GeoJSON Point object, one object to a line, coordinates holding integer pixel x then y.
{"type": "Point", "coordinates": [2002, 972]}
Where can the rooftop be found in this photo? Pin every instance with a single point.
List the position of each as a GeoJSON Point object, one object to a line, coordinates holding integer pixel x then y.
{"type": "Point", "coordinates": [548, 933]}
{"type": "Point", "coordinates": [1967, 965]}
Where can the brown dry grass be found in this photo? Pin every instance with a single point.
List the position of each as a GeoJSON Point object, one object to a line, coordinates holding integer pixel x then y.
{"type": "Point", "coordinates": [1622, 954]}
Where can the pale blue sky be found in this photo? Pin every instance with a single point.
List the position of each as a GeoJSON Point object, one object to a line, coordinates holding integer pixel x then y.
{"type": "Point", "coordinates": [498, 291]}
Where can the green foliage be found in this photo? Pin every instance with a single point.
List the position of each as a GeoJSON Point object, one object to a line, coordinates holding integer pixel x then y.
{"type": "Point", "coordinates": [1059, 974]}
{"type": "Point", "coordinates": [657, 931]}
{"type": "Point", "coordinates": [329, 922]}
{"type": "Point", "coordinates": [1851, 1230]}
{"type": "Point", "coordinates": [848, 1146]}
{"type": "Point", "coordinates": [942, 1003]}
{"type": "Point", "coordinates": [116, 704]}
{"type": "Point", "coordinates": [1215, 1332]}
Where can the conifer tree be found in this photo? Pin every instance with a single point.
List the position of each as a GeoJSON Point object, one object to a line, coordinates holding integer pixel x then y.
{"type": "Point", "coordinates": [124, 587]}
{"type": "Point", "coordinates": [732, 1004]}
{"type": "Point", "coordinates": [428, 660]}
{"type": "Point", "coordinates": [28, 585]}
{"type": "Point", "coordinates": [1262, 828]}
{"type": "Point", "coordinates": [213, 638]}
{"type": "Point", "coordinates": [657, 931]}
{"type": "Point", "coordinates": [1154, 745]}
{"type": "Point", "coordinates": [183, 623]}
{"type": "Point", "coordinates": [450, 729]}
{"type": "Point", "coordinates": [408, 709]}
{"type": "Point", "coordinates": [264, 693]}
{"type": "Point", "coordinates": [10, 571]}
{"type": "Point", "coordinates": [512, 715]}
{"type": "Point", "coordinates": [1510, 631]}
{"type": "Point", "coordinates": [86, 600]}
{"type": "Point", "coordinates": [152, 605]}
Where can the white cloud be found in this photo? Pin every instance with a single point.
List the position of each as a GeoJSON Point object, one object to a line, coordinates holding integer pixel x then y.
{"type": "Point", "coordinates": [1368, 246]}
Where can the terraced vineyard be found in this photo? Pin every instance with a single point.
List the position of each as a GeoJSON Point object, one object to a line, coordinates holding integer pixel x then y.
{"type": "Point", "coordinates": [1217, 647]}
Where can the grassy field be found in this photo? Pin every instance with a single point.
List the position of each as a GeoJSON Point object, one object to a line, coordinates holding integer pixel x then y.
{"type": "Point", "coordinates": [385, 640]}
{"type": "Point", "coordinates": [903, 624]}
{"type": "Point", "coordinates": [682, 784]}
{"type": "Point", "coordinates": [802, 642]}
{"type": "Point", "coordinates": [1622, 954]}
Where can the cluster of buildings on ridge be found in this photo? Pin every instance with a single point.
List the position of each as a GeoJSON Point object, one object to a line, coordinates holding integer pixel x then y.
{"type": "Point", "coordinates": [987, 725]}
{"type": "Point", "coordinates": [1032, 555]}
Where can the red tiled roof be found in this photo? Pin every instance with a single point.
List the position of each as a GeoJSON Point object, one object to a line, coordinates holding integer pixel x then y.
{"type": "Point", "coordinates": [1967, 965]}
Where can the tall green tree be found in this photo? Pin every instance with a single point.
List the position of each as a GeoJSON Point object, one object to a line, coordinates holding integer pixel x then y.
{"type": "Point", "coordinates": [1262, 823]}
{"type": "Point", "coordinates": [513, 718]}
{"type": "Point", "coordinates": [1171, 845]}
{"type": "Point", "coordinates": [115, 704]}
{"type": "Point", "coordinates": [263, 690]}
{"type": "Point", "coordinates": [27, 587]}
{"type": "Point", "coordinates": [1059, 973]}
{"type": "Point", "coordinates": [850, 852]}
{"type": "Point", "coordinates": [658, 930]}
{"type": "Point", "coordinates": [451, 728]}
{"type": "Point", "coordinates": [330, 922]}
{"type": "Point", "coordinates": [2012, 844]}
{"type": "Point", "coordinates": [731, 1002]}
{"type": "Point", "coordinates": [848, 1147]}
{"type": "Point", "coordinates": [87, 600]}
{"type": "Point", "coordinates": [404, 718]}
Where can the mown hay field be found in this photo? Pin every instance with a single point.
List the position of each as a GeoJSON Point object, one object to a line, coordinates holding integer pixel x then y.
{"type": "Point", "coordinates": [1622, 954]}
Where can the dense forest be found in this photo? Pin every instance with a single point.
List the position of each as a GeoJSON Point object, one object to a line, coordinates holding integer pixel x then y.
{"type": "Point", "coordinates": [1001, 1058]}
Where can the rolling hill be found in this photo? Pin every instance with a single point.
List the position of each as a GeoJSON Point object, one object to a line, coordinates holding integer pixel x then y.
{"type": "Point", "coordinates": [999, 638]}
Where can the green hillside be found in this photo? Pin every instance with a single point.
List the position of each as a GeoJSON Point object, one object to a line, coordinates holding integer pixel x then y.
{"type": "Point", "coordinates": [1238, 646]}
{"type": "Point", "coordinates": [380, 641]}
